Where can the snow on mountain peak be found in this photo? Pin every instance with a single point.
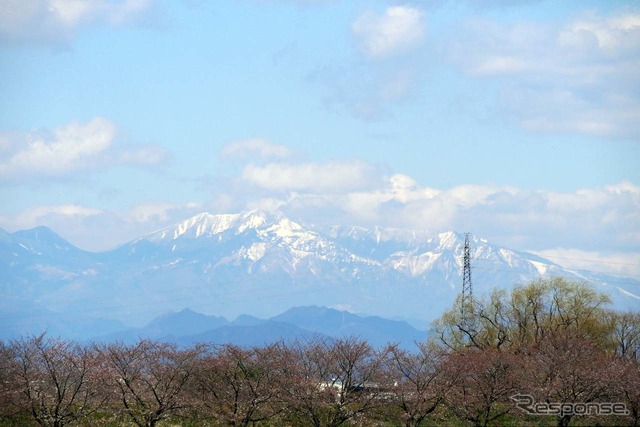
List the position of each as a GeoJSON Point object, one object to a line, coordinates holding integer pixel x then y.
{"type": "Point", "coordinates": [208, 225]}
{"type": "Point", "coordinates": [252, 221]}
{"type": "Point", "coordinates": [286, 228]}
{"type": "Point", "coordinates": [413, 253]}
{"type": "Point", "coordinates": [199, 225]}
{"type": "Point", "coordinates": [381, 235]}
{"type": "Point", "coordinates": [448, 240]}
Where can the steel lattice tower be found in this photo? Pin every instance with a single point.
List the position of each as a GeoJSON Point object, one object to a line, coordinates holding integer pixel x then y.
{"type": "Point", "coordinates": [467, 289]}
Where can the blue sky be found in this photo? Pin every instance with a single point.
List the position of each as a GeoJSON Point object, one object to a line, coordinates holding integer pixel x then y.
{"type": "Point", "coordinates": [516, 120]}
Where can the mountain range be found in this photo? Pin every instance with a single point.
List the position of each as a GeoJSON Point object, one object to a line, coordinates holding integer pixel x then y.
{"type": "Point", "coordinates": [187, 328]}
{"type": "Point", "coordinates": [260, 264]}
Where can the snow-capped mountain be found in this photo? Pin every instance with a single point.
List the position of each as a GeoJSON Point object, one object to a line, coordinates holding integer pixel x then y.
{"type": "Point", "coordinates": [256, 240]}
{"type": "Point", "coordinates": [262, 263]}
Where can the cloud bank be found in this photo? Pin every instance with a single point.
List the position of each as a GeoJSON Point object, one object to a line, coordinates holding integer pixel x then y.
{"type": "Point", "coordinates": [329, 177]}
{"type": "Point", "coordinates": [603, 219]}
{"type": "Point", "coordinates": [599, 224]}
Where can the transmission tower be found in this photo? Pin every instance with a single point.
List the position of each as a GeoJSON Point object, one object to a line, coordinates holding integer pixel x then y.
{"type": "Point", "coordinates": [466, 305]}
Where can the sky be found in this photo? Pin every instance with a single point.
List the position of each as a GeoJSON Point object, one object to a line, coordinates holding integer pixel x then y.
{"type": "Point", "coordinates": [517, 121]}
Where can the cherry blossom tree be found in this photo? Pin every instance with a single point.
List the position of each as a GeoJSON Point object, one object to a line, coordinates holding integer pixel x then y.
{"type": "Point", "coordinates": [482, 382]}
{"type": "Point", "coordinates": [56, 380]}
{"type": "Point", "coordinates": [150, 379]}
{"type": "Point", "coordinates": [336, 381]}
{"type": "Point", "coordinates": [242, 386]}
{"type": "Point", "coordinates": [568, 368]}
{"type": "Point", "coordinates": [415, 382]}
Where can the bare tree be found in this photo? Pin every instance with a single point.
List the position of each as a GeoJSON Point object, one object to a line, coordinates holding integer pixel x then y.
{"type": "Point", "coordinates": [567, 368]}
{"type": "Point", "coordinates": [150, 379]}
{"type": "Point", "coordinates": [627, 379]}
{"type": "Point", "coordinates": [336, 381]}
{"type": "Point", "coordinates": [482, 382]}
{"type": "Point", "coordinates": [415, 384]}
{"type": "Point", "coordinates": [242, 386]}
{"type": "Point", "coordinates": [625, 334]}
{"type": "Point", "coordinates": [9, 384]}
{"type": "Point", "coordinates": [309, 394]}
{"type": "Point", "coordinates": [55, 380]}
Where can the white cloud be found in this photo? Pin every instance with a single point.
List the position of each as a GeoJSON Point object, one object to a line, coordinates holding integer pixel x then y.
{"type": "Point", "coordinates": [256, 148]}
{"type": "Point", "coordinates": [55, 21]}
{"type": "Point", "coordinates": [611, 36]}
{"type": "Point", "coordinates": [330, 177]}
{"type": "Point", "coordinates": [398, 30]}
{"type": "Point", "coordinates": [68, 149]}
{"type": "Point", "coordinates": [580, 76]}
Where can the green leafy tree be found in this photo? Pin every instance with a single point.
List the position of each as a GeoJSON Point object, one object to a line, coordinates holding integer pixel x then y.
{"type": "Point", "coordinates": [526, 315]}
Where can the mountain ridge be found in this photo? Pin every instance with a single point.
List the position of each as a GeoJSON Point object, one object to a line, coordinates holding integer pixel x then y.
{"type": "Point", "coordinates": [261, 264]}
{"type": "Point", "coordinates": [295, 324]}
